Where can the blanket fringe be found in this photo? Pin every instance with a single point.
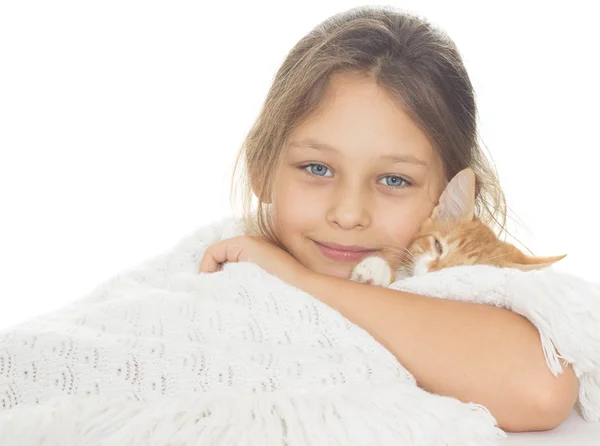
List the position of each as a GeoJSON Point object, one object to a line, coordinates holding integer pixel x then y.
{"type": "Point", "coordinates": [384, 416]}
{"type": "Point", "coordinates": [566, 311]}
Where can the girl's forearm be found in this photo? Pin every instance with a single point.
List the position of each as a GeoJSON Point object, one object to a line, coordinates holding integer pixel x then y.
{"type": "Point", "coordinates": [473, 352]}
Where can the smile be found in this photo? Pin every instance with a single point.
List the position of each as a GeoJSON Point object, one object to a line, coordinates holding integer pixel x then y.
{"type": "Point", "coordinates": [346, 253]}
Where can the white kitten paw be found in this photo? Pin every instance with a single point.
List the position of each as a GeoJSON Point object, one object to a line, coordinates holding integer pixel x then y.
{"type": "Point", "coordinates": [373, 271]}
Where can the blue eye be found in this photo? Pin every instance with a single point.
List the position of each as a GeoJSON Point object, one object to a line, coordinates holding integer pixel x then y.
{"type": "Point", "coordinates": [393, 181]}
{"type": "Point", "coordinates": [318, 170]}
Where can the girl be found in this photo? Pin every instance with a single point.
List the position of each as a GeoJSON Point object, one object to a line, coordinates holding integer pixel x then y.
{"type": "Point", "coordinates": [367, 119]}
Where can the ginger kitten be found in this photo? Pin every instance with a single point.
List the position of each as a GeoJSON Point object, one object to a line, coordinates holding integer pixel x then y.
{"type": "Point", "coordinates": [451, 236]}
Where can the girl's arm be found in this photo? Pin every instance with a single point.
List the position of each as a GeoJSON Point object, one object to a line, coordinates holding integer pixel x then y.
{"type": "Point", "coordinates": [473, 352]}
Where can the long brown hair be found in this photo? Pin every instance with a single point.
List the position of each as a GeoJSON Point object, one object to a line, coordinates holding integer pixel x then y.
{"type": "Point", "coordinates": [416, 63]}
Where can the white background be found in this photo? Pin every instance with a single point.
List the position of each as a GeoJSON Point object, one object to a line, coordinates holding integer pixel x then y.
{"type": "Point", "coordinates": [120, 120]}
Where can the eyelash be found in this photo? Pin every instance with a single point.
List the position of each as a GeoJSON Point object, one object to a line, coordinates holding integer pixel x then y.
{"type": "Point", "coordinates": [310, 174]}
{"type": "Point", "coordinates": [406, 183]}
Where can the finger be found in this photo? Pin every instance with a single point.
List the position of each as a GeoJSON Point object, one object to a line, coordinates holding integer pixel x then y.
{"type": "Point", "coordinates": [214, 256]}
{"type": "Point", "coordinates": [220, 253]}
{"type": "Point", "coordinates": [209, 263]}
{"type": "Point", "coordinates": [235, 253]}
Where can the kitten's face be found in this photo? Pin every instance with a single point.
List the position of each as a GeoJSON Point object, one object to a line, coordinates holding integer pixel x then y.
{"type": "Point", "coordinates": [452, 236]}
{"type": "Point", "coordinates": [440, 245]}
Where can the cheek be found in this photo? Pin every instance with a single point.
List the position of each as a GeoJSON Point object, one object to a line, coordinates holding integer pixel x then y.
{"type": "Point", "coordinates": [401, 224]}
{"type": "Point", "coordinates": [399, 233]}
{"type": "Point", "coordinates": [296, 208]}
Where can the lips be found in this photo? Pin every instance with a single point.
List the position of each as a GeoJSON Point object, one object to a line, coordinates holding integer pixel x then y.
{"type": "Point", "coordinates": [346, 253]}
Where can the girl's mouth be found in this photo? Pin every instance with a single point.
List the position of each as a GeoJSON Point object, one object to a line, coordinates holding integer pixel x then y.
{"type": "Point", "coordinates": [343, 252]}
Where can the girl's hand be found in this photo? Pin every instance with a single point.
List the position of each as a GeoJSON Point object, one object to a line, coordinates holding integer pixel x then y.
{"type": "Point", "coordinates": [258, 250]}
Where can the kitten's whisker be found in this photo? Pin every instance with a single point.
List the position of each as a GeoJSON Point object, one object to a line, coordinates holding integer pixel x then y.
{"type": "Point", "coordinates": [402, 262]}
{"type": "Point", "coordinates": [397, 249]}
{"type": "Point", "coordinates": [397, 244]}
{"type": "Point", "coordinates": [403, 255]}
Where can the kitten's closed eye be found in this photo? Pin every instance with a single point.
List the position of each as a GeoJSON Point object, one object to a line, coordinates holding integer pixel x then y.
{"type": "Point", "coordinates": [439, 247]}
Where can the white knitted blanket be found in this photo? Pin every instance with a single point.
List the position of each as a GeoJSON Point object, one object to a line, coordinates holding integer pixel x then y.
{"type": "Point", "coordinates": [162, 355]}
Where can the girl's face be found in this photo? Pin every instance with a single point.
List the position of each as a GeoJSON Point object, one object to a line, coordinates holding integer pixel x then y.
{"type": "Point", "coordinates": [356, 177]}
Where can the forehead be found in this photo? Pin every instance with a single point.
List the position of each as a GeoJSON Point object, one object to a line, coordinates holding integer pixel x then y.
{"type": "Point", "coordinates": [359, 118]}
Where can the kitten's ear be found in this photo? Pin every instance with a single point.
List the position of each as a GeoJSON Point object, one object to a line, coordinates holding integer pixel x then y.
{"type": "Point", "coordinates": [457, 202]}
{"type": "Point", "coordinates": [530, 263]}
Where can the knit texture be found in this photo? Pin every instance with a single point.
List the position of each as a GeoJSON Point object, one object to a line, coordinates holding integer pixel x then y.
{"type": "Point", "coordinates": [162, 355]}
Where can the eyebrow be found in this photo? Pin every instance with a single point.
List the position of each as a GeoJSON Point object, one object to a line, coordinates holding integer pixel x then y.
{"type": "Point", "coordinates": [326, 147]}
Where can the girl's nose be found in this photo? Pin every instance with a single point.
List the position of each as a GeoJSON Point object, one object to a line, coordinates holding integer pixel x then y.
{"type": "Point", "coordinates": [350, 210]}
